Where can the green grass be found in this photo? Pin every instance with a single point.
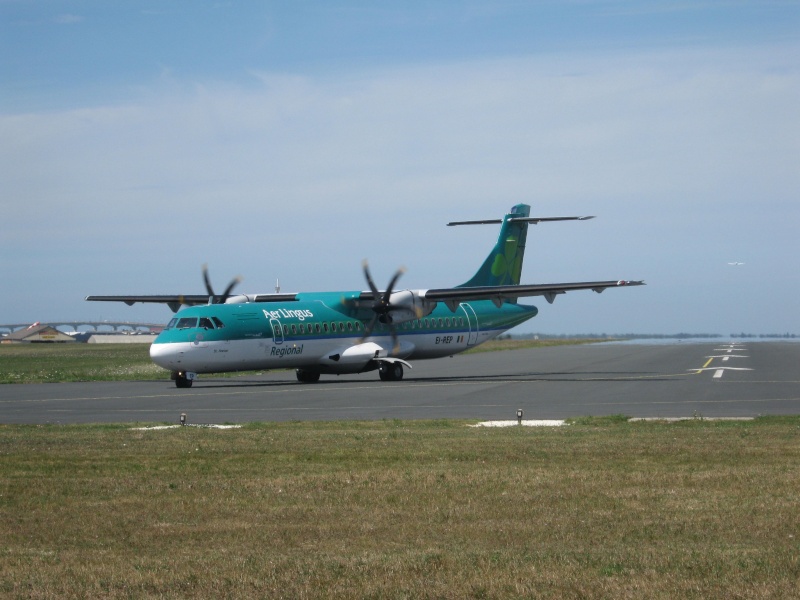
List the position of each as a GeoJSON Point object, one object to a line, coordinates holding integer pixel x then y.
{"type": "Point", "coordinates": [600, 509]}
{"type": "Point", "coordinates": [54, 363]}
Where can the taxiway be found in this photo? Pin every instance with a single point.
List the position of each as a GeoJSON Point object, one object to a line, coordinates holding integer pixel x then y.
{"type": "Point", "coordinates": [722, 379]}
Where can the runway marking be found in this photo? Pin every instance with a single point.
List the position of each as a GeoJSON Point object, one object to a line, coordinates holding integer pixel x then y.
{"type": "Point", "coordinates": [719, 371]}
{"type": "Point", "coordinates": [538, 423]}
{"type": "Point", "coordinates": [698, 371]}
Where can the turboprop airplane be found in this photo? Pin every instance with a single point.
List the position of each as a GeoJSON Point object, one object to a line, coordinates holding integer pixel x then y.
{"type": "Point", "coordinates": [354, 331]}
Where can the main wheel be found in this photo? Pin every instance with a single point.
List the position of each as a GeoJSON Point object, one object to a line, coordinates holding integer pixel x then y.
{"type": "Point", "coordinates": [390, 371]}
{"type": "Point", "coordinates": [305, 376]}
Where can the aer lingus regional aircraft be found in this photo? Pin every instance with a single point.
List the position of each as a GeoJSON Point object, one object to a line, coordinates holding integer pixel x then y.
{"type": "Point", "coordinates": [354, 331]}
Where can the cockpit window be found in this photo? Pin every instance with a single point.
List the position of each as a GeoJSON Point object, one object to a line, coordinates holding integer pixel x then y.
{"type": "Point", "coordinates": [187, 323]}
{"type": "Point", "coordinates": [218, 323]}
{"type": "Point", "coordinates": [172, 323]}
{"type": "Point", "coordinates": [205, 323]}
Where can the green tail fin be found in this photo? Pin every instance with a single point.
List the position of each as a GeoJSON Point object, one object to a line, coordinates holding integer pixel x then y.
{"type": "Point", "coordinates": [503, 266]}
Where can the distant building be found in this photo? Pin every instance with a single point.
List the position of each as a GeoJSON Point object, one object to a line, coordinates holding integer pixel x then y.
{"type": "Point", "coordinates": [37, 334]}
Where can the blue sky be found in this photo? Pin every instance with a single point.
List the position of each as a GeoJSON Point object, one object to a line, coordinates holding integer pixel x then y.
{"type": "Point", "coordinates": [293, 139]}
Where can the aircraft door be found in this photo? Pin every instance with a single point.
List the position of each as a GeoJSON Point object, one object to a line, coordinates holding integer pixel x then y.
{"type": "Point", "coordinates": [277, 331]}
{"type": "Point", "coordinates": [472, 321]}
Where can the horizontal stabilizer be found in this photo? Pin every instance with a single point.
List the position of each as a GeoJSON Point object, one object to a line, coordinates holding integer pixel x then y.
{"type": "Point", "coordinates": [533, 220]}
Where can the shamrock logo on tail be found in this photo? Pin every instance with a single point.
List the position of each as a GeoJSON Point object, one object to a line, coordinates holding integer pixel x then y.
{"type": "Point", "coordinates": [508, 266]}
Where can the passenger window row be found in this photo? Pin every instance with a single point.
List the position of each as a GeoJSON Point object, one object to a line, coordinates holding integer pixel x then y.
{"type": "Point", "coordinates": [355, 326]}
{"type": "Point", "coordinates": [311, 328]}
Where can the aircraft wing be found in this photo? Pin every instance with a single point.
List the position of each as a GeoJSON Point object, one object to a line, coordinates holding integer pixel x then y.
{"type": "Point", "coordinates": [504, 293]}
{"type": "Point", "coordinates": [175, 302]}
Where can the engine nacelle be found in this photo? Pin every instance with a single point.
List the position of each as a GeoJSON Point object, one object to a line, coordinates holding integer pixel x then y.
{"type": "Point", "coordinates": [408, 305]}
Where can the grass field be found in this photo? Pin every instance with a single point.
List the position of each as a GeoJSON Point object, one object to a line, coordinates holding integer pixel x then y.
{"type": "Point", "coordinates": [602, 508]}
{"type": "Point", "coordinates": [54, 363]}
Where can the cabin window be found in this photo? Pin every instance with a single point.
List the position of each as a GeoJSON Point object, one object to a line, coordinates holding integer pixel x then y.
{"type": "Point", "coordinates": [187, 323]}
{"type": "Point", "coordinates": [205, 323]}
{"type": "Point", "coordinates": [447, 321]}
{"type": "Point", "coordinates": [317, 327]}
{"type": "Point", "coordinates": [294, 329]}
{"type": "Point", "coordinates": [302, 328]}
{"type": "Point", "coordinates": [441, 323]}
{"type": "Point", "coordinates": [285, 330]}
{"type": "Point", "coordinates": [349, 326]}
{"type": "Point", "coordinates": [217, 322]}
{"type": "Point", "coordinates": [358, 325]}
{"type": "Point", "coordinates": [325, 327]}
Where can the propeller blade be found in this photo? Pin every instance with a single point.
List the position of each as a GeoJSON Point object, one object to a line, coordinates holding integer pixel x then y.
{"type": "Point", "coordinates": [396, 346]}
{"type": "Point", "coordinates": [234, 282]}
{"type": "Point", "coordinates": [213, 298]}
{"type": "Point", "coordinates": [368, 277]}
{"type": "Point", "coordinates": [369, 329]}
{"type": "Point", "coordinates": [387, 295]}
{"type": "Point", "coordinates": [382, 305]}
{"type": "Point", "coordinates": [207, 280]}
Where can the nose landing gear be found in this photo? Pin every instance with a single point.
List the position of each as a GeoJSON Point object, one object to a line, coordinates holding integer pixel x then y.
{"type": "Point", "coordinates": [183, 379]}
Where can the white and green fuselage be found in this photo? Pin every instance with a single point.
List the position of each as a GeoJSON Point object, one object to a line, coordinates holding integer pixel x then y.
{"type": "Point", "coordinates": [320, 333]}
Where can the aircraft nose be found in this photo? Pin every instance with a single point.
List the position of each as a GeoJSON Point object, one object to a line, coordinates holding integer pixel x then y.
{"type": "Point", "coordinates": [164, 355]}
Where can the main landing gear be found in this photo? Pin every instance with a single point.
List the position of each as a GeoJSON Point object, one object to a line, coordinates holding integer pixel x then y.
{"type": "Point", "coordinates": [390, 371]}
{"type": "Point", "coordinates": [304, 376]}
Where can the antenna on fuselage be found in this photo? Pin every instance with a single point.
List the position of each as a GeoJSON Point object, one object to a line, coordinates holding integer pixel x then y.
{"type": "Point", "coordinates": [277, 286]}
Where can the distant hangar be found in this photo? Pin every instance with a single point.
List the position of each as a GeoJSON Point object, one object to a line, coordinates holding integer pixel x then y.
{"type": "Point", "coordinates": [37, 333]}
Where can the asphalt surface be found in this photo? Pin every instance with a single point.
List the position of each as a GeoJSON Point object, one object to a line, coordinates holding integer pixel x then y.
{"type": "Point", "coordinates": [664, 380]}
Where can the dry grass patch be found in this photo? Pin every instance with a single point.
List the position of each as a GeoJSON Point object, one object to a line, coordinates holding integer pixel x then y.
{"type": "Point", "coordinates": [402, 510]}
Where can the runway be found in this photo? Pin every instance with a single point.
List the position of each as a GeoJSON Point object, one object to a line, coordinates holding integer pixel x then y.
{"type": "Point", "coordinates": [720, 379]}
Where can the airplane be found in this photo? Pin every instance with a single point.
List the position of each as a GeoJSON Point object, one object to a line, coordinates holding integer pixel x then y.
{"type": "Point", "coordinates": [736, 264]}
{"type": "Point", "coordinates": [347, 332]}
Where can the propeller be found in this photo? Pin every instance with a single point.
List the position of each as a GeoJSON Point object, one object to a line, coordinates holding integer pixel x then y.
{"type": "Point", "coordinates": [381, 305]}
{"type": "Point", "coordinates": [212, 297]}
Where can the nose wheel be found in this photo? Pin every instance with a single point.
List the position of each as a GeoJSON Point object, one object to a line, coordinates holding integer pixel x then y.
{"type": "Point", "coordinates": [182, 379]}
